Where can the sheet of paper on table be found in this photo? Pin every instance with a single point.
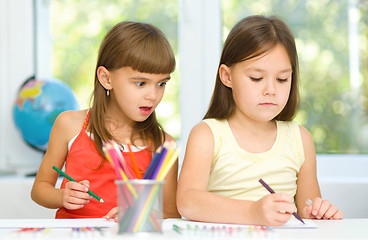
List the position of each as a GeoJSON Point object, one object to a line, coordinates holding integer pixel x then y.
{"type": "Point", "coordinates": [182, 223]}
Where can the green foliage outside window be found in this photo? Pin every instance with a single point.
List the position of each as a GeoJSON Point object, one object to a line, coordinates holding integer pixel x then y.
{"type": "Point", "coordinates": [335, 113]}
{"type": "Point", "coordinates": [78, 27]}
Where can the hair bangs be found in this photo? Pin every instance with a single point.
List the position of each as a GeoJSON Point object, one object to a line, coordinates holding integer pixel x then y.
{"type": "Point", "coordinates": [151, 55]}
{"type": "Point", "coordinates": [256, 38]}
{"type": "Point", "coordinates": [261, 49]}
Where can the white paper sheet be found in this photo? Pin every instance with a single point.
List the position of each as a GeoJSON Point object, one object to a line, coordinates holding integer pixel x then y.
{"type": "Point", "coordinates": [182, 223]}
{"type": "Point", "coordinates": [56, 223]}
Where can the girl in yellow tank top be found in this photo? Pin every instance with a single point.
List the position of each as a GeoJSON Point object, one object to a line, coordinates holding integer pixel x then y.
{"type": "Point", "coordinates": [248, 134]}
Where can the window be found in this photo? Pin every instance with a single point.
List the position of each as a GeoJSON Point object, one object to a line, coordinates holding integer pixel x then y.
{"type": "Point", "coordinates": [77, 29]}
{"type": "Point", "coordinates": [75, 63]}
{"type": "Point", "coordinates": [332, 47]}
{"type": "Point", "coordinates": [331, 39]}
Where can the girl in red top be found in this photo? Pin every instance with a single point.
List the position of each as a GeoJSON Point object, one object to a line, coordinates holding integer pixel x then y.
{"type": "Point", "coordinates": [134, 64]}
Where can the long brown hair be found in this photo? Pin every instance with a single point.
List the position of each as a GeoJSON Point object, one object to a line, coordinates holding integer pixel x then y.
{"type": "Point", "coordinates": [144, 48]}
{"type": "Point", "coordinates": [251, 37]}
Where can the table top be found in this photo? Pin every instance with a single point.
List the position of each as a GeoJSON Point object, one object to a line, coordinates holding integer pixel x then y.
{"type": "Point", "coordinates": [332, 229]}
{"type": "Point", "coordinates": [66, 229]}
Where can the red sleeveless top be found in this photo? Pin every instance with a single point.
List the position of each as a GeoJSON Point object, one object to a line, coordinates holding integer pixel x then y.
{"type": "Point", "coordinates": [82, 163]}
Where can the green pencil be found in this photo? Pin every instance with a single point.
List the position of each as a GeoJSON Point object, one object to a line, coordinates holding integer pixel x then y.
{"type": "Point", "coordinates": [176, 228]}
{"type": "Point", "coordinates": [71, 179]}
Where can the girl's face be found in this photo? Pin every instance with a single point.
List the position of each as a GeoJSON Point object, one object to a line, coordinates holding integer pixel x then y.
{"type": "Point", "coordinates": [261, 86]}
{"type": "Point", "coordinates": [136, 94]}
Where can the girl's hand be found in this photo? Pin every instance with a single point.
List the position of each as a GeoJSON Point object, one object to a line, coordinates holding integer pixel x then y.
{"type": "Point", "coordinates": [322, 209]}
{"type": "Point", "coordinates": [75, 195]}
{"type": "Point", "coordinates": [274, 209]}
{"type": "Point", "coordinates": [113, 214]}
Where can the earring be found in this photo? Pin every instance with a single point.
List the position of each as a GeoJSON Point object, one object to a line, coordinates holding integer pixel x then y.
{"type": "Point", "coordinates": [107, 92]}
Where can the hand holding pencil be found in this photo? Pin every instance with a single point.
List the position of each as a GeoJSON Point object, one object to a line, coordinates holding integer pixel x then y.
{"type": "Point", "coordinates": [273, 209]}
{"type": "Point", "coordinates": [76, 194]}
{"type": "Point", "coordinates": [264, 184]}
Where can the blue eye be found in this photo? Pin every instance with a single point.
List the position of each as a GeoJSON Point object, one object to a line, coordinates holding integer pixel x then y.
{"type": "Point", "coordinates": [140, 84]}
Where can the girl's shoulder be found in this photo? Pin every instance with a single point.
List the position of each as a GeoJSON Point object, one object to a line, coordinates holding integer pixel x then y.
{"type": "Point", "coordinates": [73, 117]}
{"type": "Point", "coordinates": [202, 131]}
{"type": "Point", "coordinates": [305, 135]}
{"type": "Point", "coordinates": [215, 125]}
{"type": "Point", "coordinates": [71, 122]}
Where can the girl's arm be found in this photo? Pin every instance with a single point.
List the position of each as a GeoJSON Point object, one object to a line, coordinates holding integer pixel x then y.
{"type": "Point", "coordinates": [308, 187]}
{"type": "Point", "coordinates": [66, 125]}
{"type": "Point", "coordinates": [196, 203]}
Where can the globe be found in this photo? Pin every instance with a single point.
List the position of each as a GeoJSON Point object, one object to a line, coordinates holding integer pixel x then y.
{"type": "Point", "coordinates": [38, 103]}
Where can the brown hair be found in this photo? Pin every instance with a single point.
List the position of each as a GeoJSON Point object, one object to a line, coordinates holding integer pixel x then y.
{"type": "Point", "coordinates": [251, 37]}
{"type": "Point", "coordinates": [144, 48]}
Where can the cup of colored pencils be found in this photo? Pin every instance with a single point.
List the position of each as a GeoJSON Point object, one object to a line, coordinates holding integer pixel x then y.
{"type": "Point", "coordinates": [140, 206]}
{"type": "Point", "coordinates": [140, 197]}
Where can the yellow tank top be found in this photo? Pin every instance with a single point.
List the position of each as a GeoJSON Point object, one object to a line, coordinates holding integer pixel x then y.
{"type": "Point", "coordinates": [235, 172]}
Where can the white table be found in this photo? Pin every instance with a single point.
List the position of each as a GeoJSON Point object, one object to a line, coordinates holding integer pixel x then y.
{"type": "Point", "coordinates": [342, 229]}
{"type": "Point", "coordinates": [332, 229]}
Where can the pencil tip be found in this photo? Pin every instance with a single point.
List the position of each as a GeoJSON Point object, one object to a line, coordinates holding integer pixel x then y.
{"type": "Point", "coordinates": [101, 200]}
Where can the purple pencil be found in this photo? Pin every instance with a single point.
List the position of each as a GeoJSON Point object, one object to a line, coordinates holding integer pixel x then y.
{"type": "Point", "coordinates": [161, 159]}
{"type": "Point", "coordinates": [264, 184]}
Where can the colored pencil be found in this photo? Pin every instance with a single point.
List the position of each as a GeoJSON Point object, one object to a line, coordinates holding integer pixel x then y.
{"type": "Point", "coordinates": [264, 184]}
{"type": "Point", "coordinates": [130, 194]}
{"type": "Point", "coordinates": [146, 210]}
{"type": "Point", "coordinates": [112, 158]}
{"type": "Point", "coordinates": [138, 214]}
{"type": "Point", "coordinates": [152, 165]}
{"type": "Point", "coordinates": [105, 149]}
{"type": "Point", "coordinates": [134, 162]}
{"type": "Point", "coordinates": [71, 179]}
{"type": "Point", "coordinates": [167, 165]}
{"type": "Point", "coordinates": [163, 156]}
{"type": "Point", "coordinates": [116, 159]}
{"type": "Point", "coordinates": [122, 161]}
{"type": "Point", "coordinates": [176, 228]}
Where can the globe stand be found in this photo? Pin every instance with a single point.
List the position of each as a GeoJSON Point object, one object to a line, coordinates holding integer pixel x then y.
{"type": "Point", "coordinates": [31, 174]}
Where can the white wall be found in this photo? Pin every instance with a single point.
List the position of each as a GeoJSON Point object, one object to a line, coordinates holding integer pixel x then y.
{"type": "Point", "coordinates": [200, 31]}
{"type": "Point", "coordinates": [16, 65]}
{"type": "Point", "coordinates": [343, 180]}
